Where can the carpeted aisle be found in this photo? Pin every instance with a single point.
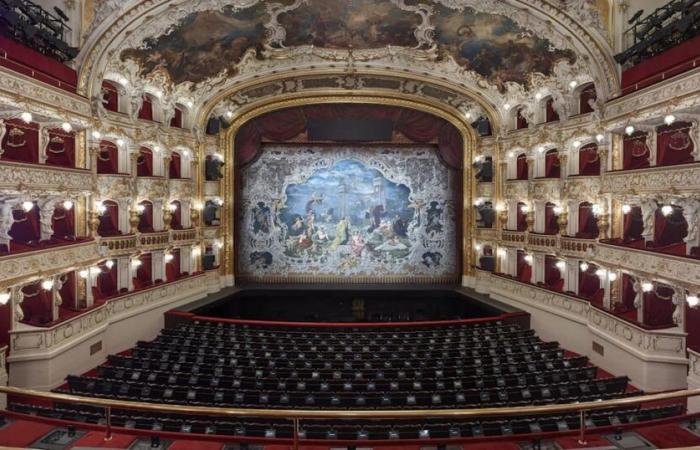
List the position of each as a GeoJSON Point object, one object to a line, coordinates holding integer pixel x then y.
{"type": "Point", "coordinates": [97, 439]}
{"type": "Point", "coordinates": [22, 433]}
{"type": "Point", "coordinates": [669, 436]}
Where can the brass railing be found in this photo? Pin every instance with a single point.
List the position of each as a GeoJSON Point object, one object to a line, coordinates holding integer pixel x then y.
{"type": "Point", "coordinates": [296, 415]}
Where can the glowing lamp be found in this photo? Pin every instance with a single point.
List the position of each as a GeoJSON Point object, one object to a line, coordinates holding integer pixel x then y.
{"type": "Point", "coordinates": [120, 142]}
{"type": "Point", "coordinates": [109, 264]}
{"type": "Point", "coordinates": [4, 298]}
{"type": "Point", "coordinates": [68, 205]}
{"type": "Point", "coordinates": [140, 209]}
{"type": "Point", "coordinates": [692, 300]}
{"type": "Point", "coordinates": [528, 259]}
{"type": "Point", "coordinates": [168, 257]}
{"type": "Point", "coordinates": [506, 106]}
{"type": "Point", "coordinates": [573, 84]}
{"type": "Point", "coordinates": [27, 206]}
{"type": "Point", "coordinates": [47, 285]}
{"type": "Point", "coordinates": [561, 265]}
{"type": "Point", "coordinates": [612, 276]}
{"type": "Point", "coordinates": [510, 154]}
{"type": "Point", "coordinates": [95, 271]}
{"type": "Point", "coordinates": [26, 117]}
{"type": "Point", "coordinates": [629, 130]}
{"type": "Point", "coordinates": [557, 210]}
{"type": "Point", "coordinates": [647, 287]}
{"type": "Point", "coordinates": [668, 120]}
{"type": "Point", "coordinates": [626, 209]}
{"type": "Point", "coordinates": [67, 127]}
{"type": "Point", "coordinates": [136, 263]}
{"type": "Point", "coordinates": [83, 273]}
{"type": "Point", "coordinates": [477, 247]}
{"type": "Point", "coordinates": [584, 266]}
{"type": "Point", "coordinates": [525, 209]}
{"type": "Point", "coordinates": [96, 134]}
{"type": "Point", "coordinates": [667, 210]}
{"type": "Point", "coordinates": [600, 272]}
{"type": "Point", "coordinates": [599, 137]}
{"type": "Point", "coordinates": [172, 207]}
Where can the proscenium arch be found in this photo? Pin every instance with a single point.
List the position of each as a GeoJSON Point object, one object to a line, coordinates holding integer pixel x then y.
{"type": "Point", "coordinates": [227, 145]}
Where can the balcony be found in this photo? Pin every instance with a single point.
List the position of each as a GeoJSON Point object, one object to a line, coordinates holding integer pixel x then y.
{"type": "Point", "coordinates": [118, 245]}
{"type": "Point", "coordinates": [21, 178]}
{"type": "Point", "coordinates": [513, 237]}
{"type": "Point", "coordinates": [577, 247]}
{"type": "Point", "coordinates": [683, 177]}
{"type": "Point", "coordinates": [542, 242]}
{"type": "Point", "coordinates": [153, 241]}
{"type": "Point", "coordinates": [183, 236]}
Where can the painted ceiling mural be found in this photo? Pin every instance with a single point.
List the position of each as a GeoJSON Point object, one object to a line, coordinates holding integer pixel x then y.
{"type": "Point", "coordinates": [208, 43]}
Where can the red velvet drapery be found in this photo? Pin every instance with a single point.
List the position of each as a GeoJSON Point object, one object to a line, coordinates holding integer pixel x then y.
{"type": "Point", "coordinates": [692, 327]}
{"type": "Point", "coordinates": [552, 275]}
{"type": "Point", "coordinates": [670, 229]}
{"type": "Point", "coordinates": [523, 269]}
{"type": "Point", "coordinates": [144, 273]}
{"type": "Point", "coordinates": [21, 141]}
{"type": "Point", "coordinates": [521, 217]}
{"type": "Point", "coordinates": [176, 121]}
{"type": "Point", "coordinates": [551, 225]}
{"type": "Point", "coordinates": [628, 293]}
{"type": "Point", "coordinates": [61, 148]}
{"type": "Point", "coordinates": [108, 158]}
{"type": "Point", "coordinates": [174, 169]}
{"type": "Point", "coordinates": [67, 291]}
{"type": "Point", "coordinates": [111, 96]}
{"type": "Point", "coordinates": [287, 123]}
{"type": "Point", "coordinates": [144, 162]}
{"type": "Point", "coordinates": [146, 111]}
{"type": "Point", "coordinates": [37, 304]}
{"type": "Point", "coordinates": [674, 145]}
{"type": "Point", "coordinates": [520, 121]}
{"type": "Point", "coordinates": [176, 222]}
{"type": "Point", "coordinates": [587, 223]}
{"type": "Point", "coordinates": [588, 281]}
{"type": "Point", "coordinates": [635, 151]}
{"type": "Point", "coordinates": [552, 167]}
{"type": "Point", "coordinates": [551, 114]}
{"type": "Point", "coordinates": [522, 167]}
{"type": "Point", "coordinates": [109, 221]}
{"type": "Point", "coordinates": [658, 306]}
{"type": "Point", "coordinates": [106, 282]}
{"type": "Point", "coordinates": [27, 226]}
{"type": "Point", "coordinates": [587, 93]}
{"type": "Point", "coordinates": [633, 224]}
{"type": "Point", "coordinates": [146, 217]}
{"type": "Point", "coordinates": [172, 269]}
{"type": "Point", "coordinates": [63, 221]}
{"type": "Point", "coordinates": [589, 160]}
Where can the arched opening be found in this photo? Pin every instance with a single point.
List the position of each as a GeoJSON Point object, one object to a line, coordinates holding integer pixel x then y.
{"type": "Point", "coordinates": [146, 217]}
{"type": "Point", "coordinates": [37, 305]}
{"type": "Point", "coordinates": [589, 285]}
{"type": "Point", "coordinates": [212, 168]}
{"type": "Point", "coordinates": [521, 167]}
{"type": "Point", "coordinates": [178, 115]}
{"type": "Point", "coordinates": [587, 222]}
{"type": "Point", "coordinates": [110, 96]}
{"type": "Point", "coordinates": [211, 214]}
{"type": "Point", "coordinates": [633, 225]}
{"type": "Point", "coordinates": [552, 166]}
{"type": "Point", "coordinates": [521, 122]}
{"type": "Point", "coordinates": [147, 108]}
{"type": "Point", "coordinates": [635, 151]}
{"type": "Point", "coordinates": [484, 170]}
{"type": "Point", "coordinates": [550, 113]}
{"type": "Point", "coordinates": [587, 98]}
{"type": "Point", "coordinates": [63, 223]}
{"type": "Point", "coordinates": [486, 215]}
{"type": "Point", "coordinates": [589, 160]}
{"type": "Point", "coordinates": [108, 158]}
{"type": "Point", "coordinates": [551, 222]}
{"type": "Point", "coordinates": [670, 229]}
{"type": "Point", "coordinates": [172, 265]}
{"type": "Point", "coordinates": [144, 271]}
{"type": "Point", "coordinates": [524, 267]}
{"type": "Point", "coordinates": [26, 229]}
{"type": "Point", "coordinates": [487, 260]}
{"type": "Point", "coordinates": [106, 285]}
{"type": "Point", "coordinates": [176, 213]}
{"type": "Point", "coordinates": [521, 216]}
{"type": "Point", "coordinates": [109, 219]}
{"type": "Point", "coordinates": [552, 274]}
{"type": "Point", "coordinates": [144, 162]}
{"type": "Point", "coordinates": [60, 150]}
{"type": "Point", "coordinates": [674, 144]}
{"type": "Point", "coordinates": [175, 167]}
{"type": "Point", "coordinates": [658, 306]}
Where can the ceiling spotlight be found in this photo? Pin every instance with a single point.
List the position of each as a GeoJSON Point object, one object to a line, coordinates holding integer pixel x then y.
{"type": "Point", "coordinates": [506, 106]}
{"type": "Point", "coordinates": [626, 209]}
{"type": "Point", "coordinates": [26, 117]}
{"type": "Point", "coordinates": [647, 286]}
{"type": "Point", "coordinates": [68, 205]}
{"type": "Point", "coordinates": [600, 272]}
{"type": "Point", "coordinates": [47, 285]}
{"type": "Point", "coordinates": [4, 298]}
{"type": "Point", "coordinates": [668, 120]}
{"type": "Point", "coordinates": [96, 134]}
{"type": "Point", "coordinates": [629, 130]}
{"type": "Point", "coordinates": [109, 264]}
{"type": "Point", "coordinates": [27, 206]}
{"type": "Point", "coordinates": [692, 300]}
{"type": "Point", "coordinates": [667, 210]}
{"type": "Point", "coordinates": [528, 259]}
{"type": "Point", "coordinates": [584, 266]}
{"type": "Point", "coordinates": [67, 127]}
{"type": "Point", "coordinates": [599, 137]}
{"type": "Point", "coordinates": [561, 265]}
{"type": "Point", "coordinates": [573, 84]}
{"type": "Point", "coordinates": [612, 276]}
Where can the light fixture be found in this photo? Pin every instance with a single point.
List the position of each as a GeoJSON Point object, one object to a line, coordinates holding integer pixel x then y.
{"type": "Point", "coordinates": [477, 247]}
{"type": "Point", "coordinates": [4, 298]}
{"type": "Point", "coordinates": [83, 273]}
{"type": "Point", "coordinates": [538, 96]}
{"type": "Point", "coordinates": [67, 127]}
{"type": "Point", "coordinates": [501, 252]}
{"type": "Point", "coordinates": [229, 114]}
{"type": "Point", "coordinates": [506, 106]}
{"type": "Point", "coordinates": [196, 251]}
{"type": "Point", "coordinates": [573, 84]}
{"type": "Point", "coordinates": [158, 94]}
{"type": "Point", "coordinates": [626, 209]}
{"type": "Point", "coordinates": [47, 285]}
{"type": "Point", "coordinates": [109, 264]}
{"type": "Point", "coordinates": [596, 209]}
{"type": "Point", "coordinates": [540, 149]}
{"type": "Point", "coordinates": [510, 154]}
{"type": "Point", "coordinates": [95, 271]}
{"type": "Point", "coordinates": [27, 206]}
{"type": "Point", "coordinates": [557, 210]}
{"type": "Point", "coordinates": [156, 148]}
{"type": "Point", "coordinates": [478, 158]}
{"type": "Point", "coordinates": [561, 265]}
{"type": "Point", "coordinates": [136, 263]}
{"type": "Point", "coordinates": [190, 104]}
{"type": "Point", "coordinates": [140, 209]}
{"type": "Point", "coordinates": [500, 207]}
{"type": "Point", "coordinates": [168, 257]}
{"type": "Point", "coordinates": [26, 117]}
{"type": "Point", "coordinates": [172, 207]}
{"type": "Point", "coordinates": [68, 205]}
{"type": "Point", "coordinates": [525, 209]}
{"type": "Point", "coordinates": [468, 115]}
{"type": "Point", "coordinates": [123, 81]}
{"type": "Point", "coordinates": [584, 266]}
{"type": "Point", "coordinates": [647, 286]}
{"type": "Point", "coordinates": [600, 272]}
{"type": "Point", "coordinates": [629, 130]}
{"type": "Point", "coordinates": [197, 206]}
{"type": "Point", "coordinates": [120, 142]}
{"type": "Point", "coordinates": [528, 259]}
{"type": "Point", "coordinates": [577, 144]}
{"type": "Point", "coordinates": [218, 244]}
{"type": "Point", "coordinates": [669, 119]}
{"type": "Point", "coordinates": [479, 201]}
{"type": "Point", "coordinates": [612, 276]}
{"type": "Point", "coordinates": [220, 157]}
{"type": "Point", "coordinates": [219, 201]}
{"type": "Point", "coordinates": [186, 153]}
{"type": "Point", "coordinates": [100, 207]}
{"type": "Point", "coordinates": [692, 300]}
{"type": "Point", "coordinates": [599, 137]}
{"type": "Point", "coordinates": [667, 210]}
{"type": "Point", "coordinates": [96, 134]}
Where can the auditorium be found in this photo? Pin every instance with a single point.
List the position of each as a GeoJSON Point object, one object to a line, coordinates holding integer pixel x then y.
{"type": "Point", "coordinates": [350, 224]}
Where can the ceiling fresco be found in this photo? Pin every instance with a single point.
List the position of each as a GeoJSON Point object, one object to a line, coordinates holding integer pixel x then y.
{"type": "Point", "coordinates": [208, 43]}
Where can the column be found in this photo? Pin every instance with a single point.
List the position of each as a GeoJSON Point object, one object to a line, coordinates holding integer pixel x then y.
{"type": "Point", "coordinates": [511, 262]}
{"type": "Point", "coordinates": [124, 280]}
{"type": "Point", "coordinates": [185, 213]}
{"type": "Point", "coordinates": [691, 208]}
{"type": "Point", "coordinates": [651, 143]}
{"type": "Point", "coordinates": [572, 226]}
{"type": "Point", "coordinates": [158, 222]}
{"type": "Point", "coordinates": [158, 265]}
{"type": "Point", "coordinates": [186, 260]}
{"type": "Point", "coordinates": [123, 160]}
{"type": "Point", "coordinates": [133, 150]}
{"type": "Point", "coordinates": [537, 268]}
{"type": "Point", "coordinates": [649, 207]}
{"type": "Point", "coordinates": [570, 274]}
{"type": "Point", "coordinates": [512, 223]}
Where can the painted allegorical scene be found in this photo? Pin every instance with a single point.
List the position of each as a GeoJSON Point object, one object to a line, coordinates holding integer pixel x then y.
{"type": "Point", "coordinates": [347, 212]}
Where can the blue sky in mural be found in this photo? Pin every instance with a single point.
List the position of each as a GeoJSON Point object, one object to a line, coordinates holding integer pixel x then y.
{"type": "Point", "coordinates": [347, 189]}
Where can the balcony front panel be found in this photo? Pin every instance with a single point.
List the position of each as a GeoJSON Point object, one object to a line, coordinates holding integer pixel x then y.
{"type": "Point", "coordinates": [579, 248]}
{"type": "Point", "coordinates": [545, 189]}
{"type": "Point", "coordinates": [154, 241]}
{"type": "Point", "coordinates": [119, 245]}
{"type": "Point", "coordinates": [21, 178]}
{"type": "Point", "coordinates": [662, 180]}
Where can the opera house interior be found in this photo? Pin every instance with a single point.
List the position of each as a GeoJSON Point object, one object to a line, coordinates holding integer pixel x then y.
{"type": "Point", "coordinates": [345, 224]}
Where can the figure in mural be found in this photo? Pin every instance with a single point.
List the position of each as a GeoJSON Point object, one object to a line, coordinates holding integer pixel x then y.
{"type": "Point", "coordinates": [399, 226]}
{"type": "Point", "coordinates": [342, 233]}
{"type": "Point", "coordinates": [431, 259]}
{"type": "Point", "coordinates": [261, 218]}
{"type": "Point", "coordinates": [375, 215]}
{"type": "Point", "coordinates": [434, 218]}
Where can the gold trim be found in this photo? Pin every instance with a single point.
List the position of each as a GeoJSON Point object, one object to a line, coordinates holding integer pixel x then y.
{"type": "Point", "coordinates": [250, 112]}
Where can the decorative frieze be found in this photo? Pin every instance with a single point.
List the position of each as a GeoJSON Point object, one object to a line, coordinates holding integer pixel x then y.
{"type": "Point", "coordinates": [581, 248]}
{"type": "Point", "coordinates": [683, 178]}
{"type": "Point", "coordinates": [513, 237]}
{"type": "Point", "coordinates": [542, 242]}
{"type": "Point", "coordinates": [548, 189]}
{"type": "Point", "coordinates": [182, 236]}
{"type": "Point", "coordinates": [118, 245]}
{"type": "Point", "coordinates": [20, 178]}
{"type": "Point", "coordinates": [484, 190]}
{"type": "Point", "coordinates": [150, 241]}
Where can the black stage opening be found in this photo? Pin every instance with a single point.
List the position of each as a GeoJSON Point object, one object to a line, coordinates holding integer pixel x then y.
{"type": "Point", "coordinates": [348, 304]}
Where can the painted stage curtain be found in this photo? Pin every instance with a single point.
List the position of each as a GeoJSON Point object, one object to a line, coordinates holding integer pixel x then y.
{"type": "Point", "coordinates": [109, 221]}
{"type": "Point", "coordinates": [174, 170]}
{"type": "Point", "coordinates": [176, 222]}
{"type": "Point", "coordinates": [27, 226]}
{"type": "Point", "coordinates": [551, 225]}
{"type": "Point", "coordinates": [635, 151]}
{"type": "Point", "coordinates": [674, 145]}
{"type": "Point", "coordinates": [658, 306]}
{"type": "Point", "coordinates": [146, 111]}
{"type": "Point", "coordinates": [588, 281]}
{"type": "Point", "coordinates": [521, 168]}
{"type": "Point", "coordinates": [21, 141]}
{"type": "Point", "coordinates": [551, 114]}
{"type": "Point", "coordinates": [670, 229]}
{"type": "Point", "coordinates": [63, 223]}
{"type": "Point", "coordinates": [588, 93]}
{"type": "Point", "coordinates": [144, 163]}
{"type": "Point", "coordinates": [520, 121]}
{"type": "Point", "coordinates": [61, 148]}
{"type": "Point", "coordinates": [589, 160]}
{"type": "Point", "coordinates": [552, 167]}
{"type": "Point", "coordinates": [146, 218]}
{"type": "Point", "coordinates": [587, 224]}
{"type": "Point", "coordinates": [108, 158]}
{"type": "Point", "coordinates": [110, 97]}
{"type": "Point", "coordinates": [288, 123]}
{"type": "Point", "coordinates": [633, 224]}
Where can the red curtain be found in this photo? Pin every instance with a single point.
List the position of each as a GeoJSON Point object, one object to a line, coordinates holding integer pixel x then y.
{"type": "Point", "coordinates": [27, 226]}
{"type": "Point", "coordinates": [551, 225]}
{"type": "Point", "coordinates": [176, 222]}
{"type": "Point", "coordinates": [21, 141]}
{"type": "Point", "coordinates": [144, 273]}
{"type": "Point", "coordinates": [589, 160]}
{"type": "Point", "coordinates": [633, 224]}
{"type": "Point", "coordinates": [523, 269]}
{"type": "Point", "coordinates": [588, 281]}
{"type": "Point", "coordinates": [146, 111]}
{"type": "Point", "coordinates": [172, 269]}
{"type": "Point", "coordinates": [61, 148]}
{"type": "Point", "coordinates": [109, 221]}
{"type": "Point", "coordinates": [67, 291]}
{"type": "Point", "coordinates": [658, 307]}
{"type": "Point", "coordinates": [551, 114]}
{"type": "Point", "coordinates": [552, 275]}
{"type": "Point", "coordinates": [111, 96]}
{"type": "Point", "coordinates": [175, 165]}
{"type": "Point", "coordinates": [692, 327]}
{"type": "Point", "coordinates": [588, 93]}
{"type": "Point", "coordinates": [674, 145]}
{"type": "Point", "coordinates": [37, 304]}
{"type": "Point", "coordinates": [146, 218]}
{"type": "Point", "coordinates": [587, 224]}
{"type": "Point", "coordinates": [63, 223]}
{"type": "Point", "coordinates": [176, 121]}
{"type": "Point", "coordinates": [287, 123]}
{"type": "Point", "coordinates": [628, 293]}
{"type": "Point", "coordinates": [108, 158]}
{"type": "Point", "coordinates": [520, 121]}
{"type": "Point", "coordinates": [106, 282]}
{"type": "Point", "coordinates": [635, 151]}
{"type": "Point", "coordinates": [522, 169]}
{"type": "Point", "coordinates": [521, 217]}
{"type": "Point", "coordinates": [670, 229]}
{"type": "Point", "coordinates": [552, 167]}
{"type": "Point", "coordinates": [144, 163]}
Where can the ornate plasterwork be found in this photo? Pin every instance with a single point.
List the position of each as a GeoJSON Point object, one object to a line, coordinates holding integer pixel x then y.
{"type": "Point", "coordinates": [544, 189]}
{"type": "Point", "coordinates": [19, 178]}
{"type": "Point", "coordinates": [581, 188]}
{"type": "Point", "coordinates": [116, 186]}
{"type": "Point", "coordinates": [152, 188]}
{"type": "Point", "coordinates": [515, 189]}
{"type": "Point", "coordinates": [654, 180]}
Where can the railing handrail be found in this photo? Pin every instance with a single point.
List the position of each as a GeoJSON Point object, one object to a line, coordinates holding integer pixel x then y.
{"type": "Point", "coordinates": [355, 414]}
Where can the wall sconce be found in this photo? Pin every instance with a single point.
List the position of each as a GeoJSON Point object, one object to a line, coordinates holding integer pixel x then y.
{"type": "Point", "coordinates": [557, 210]}
{"type": "Point", "coordinates": [669, 119]}
{"type": "Point", "coordinates": [84, 273]}
{"type": "Point", "coordinates": [647, 286]}
{"type": "Point", "coordinates": [478, 247]}
{"type": "Point", "coordinates": [140, 209]}
{"type": "Point", "coordinates": [47, 285]}
{"type": "Point", "coordinates": [109, 264]}
{"type": "Point", "coordinates": [26, 117]}
{"type": "Point", "coordinates": [196, 251]}
{"type": "Point", "coordinates": [67, 127]}
{"type": "Point", "coordinates": [612, 276]}
{"type": "Point", "coordinates": [629, 130]}
{"type": "Point", "coordinates": [528, 259]}
{"type": "Point", "coordinates": [478, 202]}
{"type": "Point", "coordinates": [218, 244]}
{"type": "Point", "coordinates": [172, 207]}
{"type": "Point", "coordinates": [501, 252]}
{"type": "Point", "coordinates": [525, 209]}
{"type": "Point", "coordinates": [219, 201]}
{"type": "Point", "coordinates": [96, 134]}
{"type": "Point", "coordinates": [600, 138]}
{"type": "Point", "coordinates": [136, 263]}
{"type": "Point", "coordinates": [100, 208]}
{"type": "Point", "coordinates": [626, 209]}
{"type": "Point", "coordinates": [561, 265]}
{"type": "Point", "coordinates": [667, 210]}
{"type": "Point", "coordinates": [596, 209]}
{"type": "Point", "coordinates": [584, 266]}
{"type": "Point", "coordinates": [4, 298]}
{"type": "Point", "coordinates": [27, 206]}
{"type": "Point", "coordinates": [168, 257]}
{"type": "Point", "coordinates": [68, 205]}
{"type": "Point", "coordinates": [95, 271]}
{"type": "Point", "coordinates": [600, 273]}
{"type": "Point", "coordinates": [692, 300]}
